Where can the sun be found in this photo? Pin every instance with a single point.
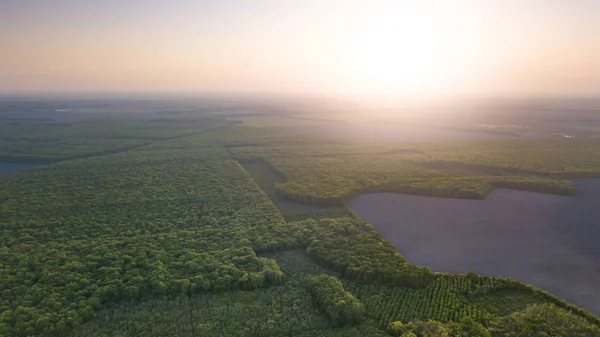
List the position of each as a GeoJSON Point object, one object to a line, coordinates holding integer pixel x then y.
{"type": "Point", "coordinates": [401, 48]}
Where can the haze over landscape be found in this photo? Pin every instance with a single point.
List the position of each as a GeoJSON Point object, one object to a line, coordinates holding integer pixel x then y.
{"type": "Point", "coordinates": [363, 48]}
{"type": "Point", "coordinates": [294, 168]}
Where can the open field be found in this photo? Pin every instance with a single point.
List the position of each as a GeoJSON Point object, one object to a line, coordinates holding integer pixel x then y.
{"type": "Point", "coordinates": [544, 240]}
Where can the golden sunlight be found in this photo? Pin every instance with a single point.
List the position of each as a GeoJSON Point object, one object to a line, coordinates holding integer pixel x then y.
{"type": "Point", "coordinates": [400, 48]}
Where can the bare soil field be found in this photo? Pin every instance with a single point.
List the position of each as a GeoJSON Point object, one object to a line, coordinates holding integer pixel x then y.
{"type": "Point", "coordinates": [380, 132]}
{"type": "Point", "coordinates": [6, 168]}
{"type": "Point", "coordinates": [551, 242]}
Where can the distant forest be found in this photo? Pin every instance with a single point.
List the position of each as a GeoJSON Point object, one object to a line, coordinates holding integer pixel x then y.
{"type": "Point", "coordinates": [195, 218]}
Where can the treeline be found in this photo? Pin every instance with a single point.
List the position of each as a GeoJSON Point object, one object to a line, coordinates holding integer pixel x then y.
{"type": "Point", "coordinates": [338, 212]}
{"type": "Point", "coordinates": [329, 173]}
{"type": "Point", "coordinates": [299, 157]}
{"type": "Point", "coordinates": [451, 187]}
{"type": "Point", "coordinates": [132, 226]}
{"type": "Point", "coordinates": [366, 258]}
{"type": "Point", "coordinates": [339, 305]}
{"type": "Point", "coordinates": [486, 285]}
{"type": "Point", "coordinates": [467, 327]}
{"type": "Point", "coordinates": [351, 247]}
{"type": "Point", "coordinates": [285, 310]}
{"type": "Point", "coordinates": [535, 320]}
{"type": "Point", "coordinates": [52, 299]}
{"type": "Point", "coordinates": [544, 320]}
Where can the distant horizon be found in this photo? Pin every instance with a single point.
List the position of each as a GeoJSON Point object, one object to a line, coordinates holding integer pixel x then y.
{"type": "Point", "coordinates": [377, 49]}
{"type": "Point", "coordinates": [199, 95]}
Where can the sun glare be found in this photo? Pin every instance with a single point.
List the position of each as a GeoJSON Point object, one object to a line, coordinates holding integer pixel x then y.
{"type": "Point", "coordinates": [400, 48]}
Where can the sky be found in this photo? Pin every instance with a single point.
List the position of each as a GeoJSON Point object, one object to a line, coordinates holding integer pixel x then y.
{"type": "Point", "coordinates": [351, 47]}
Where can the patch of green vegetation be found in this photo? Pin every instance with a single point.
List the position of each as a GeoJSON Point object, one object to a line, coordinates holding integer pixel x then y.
{"type": "Point", "coordinates": [505, 302]}
{"type": "Point", "coordinates": [276, 120]}
{"type": "Point", "coordinates": [340, 306]}
{"type": "Point", "coordinates": [466, 327]}
{"type": "Point", "coordinates": [41, 152]}
{"type": "Point", "coordinates": [559, 157]}
{"type": "Point", "coordinates": [326, 175]}
{"type": "Point", "coordinates": [24, 141]}
{"type": "Point", "coordinates": [78, 109]}
{"type": "Point", "coordinates": [267, 178]}
{"type": "Point", "coordinates": [78, 234]}
{"type": "Point", "coordinates": [443, 299]}
{"type": "Point", "coordinates": [285, 310]}
{"type": "Point", "coordinates": [179, 229]}
{"type": "Point", "coordinates": [330, 212]}
{"type": "Point", "coordinates": [535, 320]}
{"type": "Point", "coordinates": [544, 320]}
{"type": "Point", "coordinates": [450, 298]}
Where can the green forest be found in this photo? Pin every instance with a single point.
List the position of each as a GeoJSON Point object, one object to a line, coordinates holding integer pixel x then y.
{"type": "Point", "coordinates": [194, 225]}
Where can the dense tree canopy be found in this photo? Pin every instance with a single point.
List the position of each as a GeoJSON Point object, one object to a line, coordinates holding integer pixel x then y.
{"type": "Point", "coordinates": [340, 306]}
{"type": "Point", "coordinates": [166, 212]}
{"type": "Point", "coordinates": [544, 320]}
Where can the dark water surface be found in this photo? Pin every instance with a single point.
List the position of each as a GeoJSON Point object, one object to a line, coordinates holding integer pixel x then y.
{"type": "Point", "coordinates": [549, 241]}
{"type": "Point", "coordinates": [6, 168]}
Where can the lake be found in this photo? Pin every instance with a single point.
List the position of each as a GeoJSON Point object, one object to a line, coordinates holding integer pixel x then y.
{"type": "Point", "coordinates": [6, 168]}
{"type": "Point", "coordinates": [548, 241]}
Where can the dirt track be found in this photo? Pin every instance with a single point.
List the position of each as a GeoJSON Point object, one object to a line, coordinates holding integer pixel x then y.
{"type": "Point", "coordinates": [548, 241]}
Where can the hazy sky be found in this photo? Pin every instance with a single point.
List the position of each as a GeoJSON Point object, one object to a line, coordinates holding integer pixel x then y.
{"type": "Point", "coordinates": [386, 46]}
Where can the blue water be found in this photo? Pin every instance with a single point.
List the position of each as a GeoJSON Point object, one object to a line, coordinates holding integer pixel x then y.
{"type": "Point", "coordinates": [6, 168]}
